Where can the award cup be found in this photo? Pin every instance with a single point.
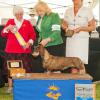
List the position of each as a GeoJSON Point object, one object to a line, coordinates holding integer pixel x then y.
{"type": "Point", "coordinates": [69, 33]}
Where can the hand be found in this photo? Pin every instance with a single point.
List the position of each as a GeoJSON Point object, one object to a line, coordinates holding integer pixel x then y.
{"type": "Point", "coordinates": [28, 45]}
{"type": "Point", "coordinates": [10, 28]}
{"type": "Point", "coordinates": [77, 30]}
{"type": "Point", "coordinates": [45, 41]}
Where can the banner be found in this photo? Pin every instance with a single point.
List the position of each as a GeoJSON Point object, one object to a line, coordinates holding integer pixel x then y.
{"type": "Point", "coordinates": [20, 38]}
{"type": "Point", "coordinates": [45, 89]}
{"type": "Point", "coordinates": [85, 92]}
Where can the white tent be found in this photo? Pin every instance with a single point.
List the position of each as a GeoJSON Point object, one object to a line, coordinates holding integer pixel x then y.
{"type": "Point", "coordinates": [7, 5]}
{"type": "Point", "coordinates": [58, 6]}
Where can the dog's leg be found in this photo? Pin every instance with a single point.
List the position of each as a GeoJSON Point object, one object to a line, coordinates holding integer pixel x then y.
{"type": "Point", "coordinates": [82, 70]}
{"type": "Point", "coordinates": [57, 72]}
{"type": "Point", "coordinates": [48, 72]}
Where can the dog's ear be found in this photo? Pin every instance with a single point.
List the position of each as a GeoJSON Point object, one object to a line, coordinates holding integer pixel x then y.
{"type": "Point", "coordinates": [40, 46]}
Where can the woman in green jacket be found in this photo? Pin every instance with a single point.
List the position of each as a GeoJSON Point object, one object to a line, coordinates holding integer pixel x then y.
{"type": "Point", "coordinates": [48, 26]}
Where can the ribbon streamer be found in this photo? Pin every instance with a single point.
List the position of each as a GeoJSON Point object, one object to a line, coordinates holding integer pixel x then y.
{"type": "Point", "coordinates": [20, 39]}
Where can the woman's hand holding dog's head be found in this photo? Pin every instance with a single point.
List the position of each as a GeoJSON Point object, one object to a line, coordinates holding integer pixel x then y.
{"type": "Point", "coordinates": [44, 42]}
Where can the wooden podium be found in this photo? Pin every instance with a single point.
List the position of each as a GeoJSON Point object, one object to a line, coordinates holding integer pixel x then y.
{"type": "Point", "coordinates": [52, 86]}
{"type": "Point", "coordinates": [15, 68]}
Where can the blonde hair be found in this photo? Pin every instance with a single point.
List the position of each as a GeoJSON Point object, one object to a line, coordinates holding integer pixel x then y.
{"type": "Point", "coordinates": [17, 9]}
{"type": "Point", "coordinates": [43, 5]}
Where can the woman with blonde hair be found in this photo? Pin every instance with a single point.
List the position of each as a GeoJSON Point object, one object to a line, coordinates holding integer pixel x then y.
{"type": "Point", "coordinates": [44, 6]}
{"type": "Point", "coordinates": [48, 26]}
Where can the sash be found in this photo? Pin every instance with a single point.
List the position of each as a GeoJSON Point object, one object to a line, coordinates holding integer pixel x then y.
{"type": "Point", "coordinates": [19, 38]}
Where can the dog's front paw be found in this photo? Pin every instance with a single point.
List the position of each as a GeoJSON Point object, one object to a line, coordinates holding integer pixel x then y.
{"type": "Point", "coordinates": [82, 71]}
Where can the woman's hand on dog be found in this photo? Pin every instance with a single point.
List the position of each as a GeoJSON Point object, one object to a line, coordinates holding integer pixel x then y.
{"type": "Point", "coordinates": [44, 42]}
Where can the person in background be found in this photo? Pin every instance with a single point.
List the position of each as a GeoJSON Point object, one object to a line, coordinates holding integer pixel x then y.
{"type": "Point", "coordinates": [80, 19]}
{"type": "Point", "coordinates": [32, 14]}
{"type": "Point", "coordinates": [14, 47]}
{"type": "Point", "coordinates": [48, 26]}
{"type": "Point", "coordinates": [33, 20]}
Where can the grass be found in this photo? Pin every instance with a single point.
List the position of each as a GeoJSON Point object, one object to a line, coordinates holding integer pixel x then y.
{"type": "Point", "coordinates": [98, 91]}
{"type": "Point", "coordinates": [4, 96]}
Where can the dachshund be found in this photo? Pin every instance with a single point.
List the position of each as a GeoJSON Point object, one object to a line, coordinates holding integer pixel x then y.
{"type": "Point", "coordinates": [52, 63]}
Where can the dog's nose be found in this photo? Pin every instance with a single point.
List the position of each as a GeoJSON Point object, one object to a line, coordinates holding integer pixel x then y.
{"type": "Point", "coordinates": [35, 54]}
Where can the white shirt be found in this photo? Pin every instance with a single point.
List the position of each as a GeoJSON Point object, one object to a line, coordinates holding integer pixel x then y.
{"type": "Point", "coordinates": [33, 21]}
{"type": "Point", "coordinates": [18, 23]}
{"type": "Point", "coordinates": [83, 16]}
{"type": "Point", "coordinates": [77, 45]}
{"type": "Point", "coordinates": [39, 24]}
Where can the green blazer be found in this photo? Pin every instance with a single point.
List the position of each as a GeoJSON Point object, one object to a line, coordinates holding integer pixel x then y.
{"type": "Point", "coordinates": [50, 27]}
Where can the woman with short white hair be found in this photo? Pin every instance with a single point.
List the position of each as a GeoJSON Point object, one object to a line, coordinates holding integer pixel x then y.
{"type": "Point", "coordinates": [17, 9]}
{"type": "Point", "coordinates": [20, 37]}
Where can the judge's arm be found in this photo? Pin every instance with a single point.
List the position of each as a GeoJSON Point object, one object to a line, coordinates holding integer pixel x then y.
{"type": "Point", "coordinates": [64, 25]}
{"type": "Point", "coordinates": [91, 27]}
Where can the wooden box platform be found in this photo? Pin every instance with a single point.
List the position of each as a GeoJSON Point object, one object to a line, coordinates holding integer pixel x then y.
{"type": "Point", "coordinates": [53, 86]}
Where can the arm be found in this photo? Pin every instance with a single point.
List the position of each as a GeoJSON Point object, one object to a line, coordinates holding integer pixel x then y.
{"type": "Point", "coordinates": [55, 31]}
{"type": "Point", "coordinates": [64, 25]}
{"type": "Point", "coordinates": [7, 29]}
{"type": "Point", "coordinates": [56, 24]}
{"type": "Point", "coordinates": [91, 22]}
{"type": "Point", "coordinates": [91, 26]}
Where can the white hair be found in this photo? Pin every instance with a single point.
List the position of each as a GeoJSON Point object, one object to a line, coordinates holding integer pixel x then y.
{"type": "Point", "coordinates": [17, 9]}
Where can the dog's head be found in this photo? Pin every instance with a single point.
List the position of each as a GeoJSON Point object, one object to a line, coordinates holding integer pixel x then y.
{"type": "Point", "coordinates": [38, 50]}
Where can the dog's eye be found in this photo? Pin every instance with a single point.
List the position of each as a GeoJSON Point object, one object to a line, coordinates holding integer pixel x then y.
{"type": "Point", "coordinates": [35, 47]}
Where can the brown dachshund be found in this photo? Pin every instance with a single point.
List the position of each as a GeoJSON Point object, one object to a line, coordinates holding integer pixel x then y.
{"type": "Point", "coordinates": [51, 62]}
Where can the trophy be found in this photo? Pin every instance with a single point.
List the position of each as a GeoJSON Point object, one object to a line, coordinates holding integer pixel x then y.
{"type": "Point", "coordinates": [69, 33]}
